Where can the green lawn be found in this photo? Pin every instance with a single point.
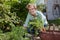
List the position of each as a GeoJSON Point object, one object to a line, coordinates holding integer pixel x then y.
{"type": "Point", "coordinates": [57, 21]}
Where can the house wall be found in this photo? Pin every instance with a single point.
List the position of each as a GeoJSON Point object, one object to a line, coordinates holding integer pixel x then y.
{"type": "Point", "coordinates": [50, 9]}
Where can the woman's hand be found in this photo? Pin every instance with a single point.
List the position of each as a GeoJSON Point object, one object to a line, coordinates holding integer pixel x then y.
{"type": "Point", "coordinates": [43, 30]}
{"type": "Point", "coordinates": [24, 26]}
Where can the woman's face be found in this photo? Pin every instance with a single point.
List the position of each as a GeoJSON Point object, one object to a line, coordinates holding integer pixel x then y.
{"type": "Point", "coordinates": [32, 10]}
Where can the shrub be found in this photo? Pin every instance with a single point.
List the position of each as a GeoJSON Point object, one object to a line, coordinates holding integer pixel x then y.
{"type": "Point", "coordinates": [20, 8]}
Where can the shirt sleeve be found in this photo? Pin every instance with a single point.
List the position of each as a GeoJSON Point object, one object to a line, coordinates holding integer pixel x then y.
{"type": "Point", "coordinates": [44, 18]}
{"type": "Point", "coordinates": [27, 20]}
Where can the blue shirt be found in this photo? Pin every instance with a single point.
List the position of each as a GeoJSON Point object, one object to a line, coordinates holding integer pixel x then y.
{"type": "Point", "coordinates": [30, 17]}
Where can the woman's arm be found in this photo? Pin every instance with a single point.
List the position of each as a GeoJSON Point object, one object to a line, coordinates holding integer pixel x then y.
{"type": "Point", "coordinates": [27, 20]}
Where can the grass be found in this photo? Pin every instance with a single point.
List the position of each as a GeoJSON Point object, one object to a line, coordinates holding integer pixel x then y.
{"type": "Point", "coordinates": [57, 21]}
